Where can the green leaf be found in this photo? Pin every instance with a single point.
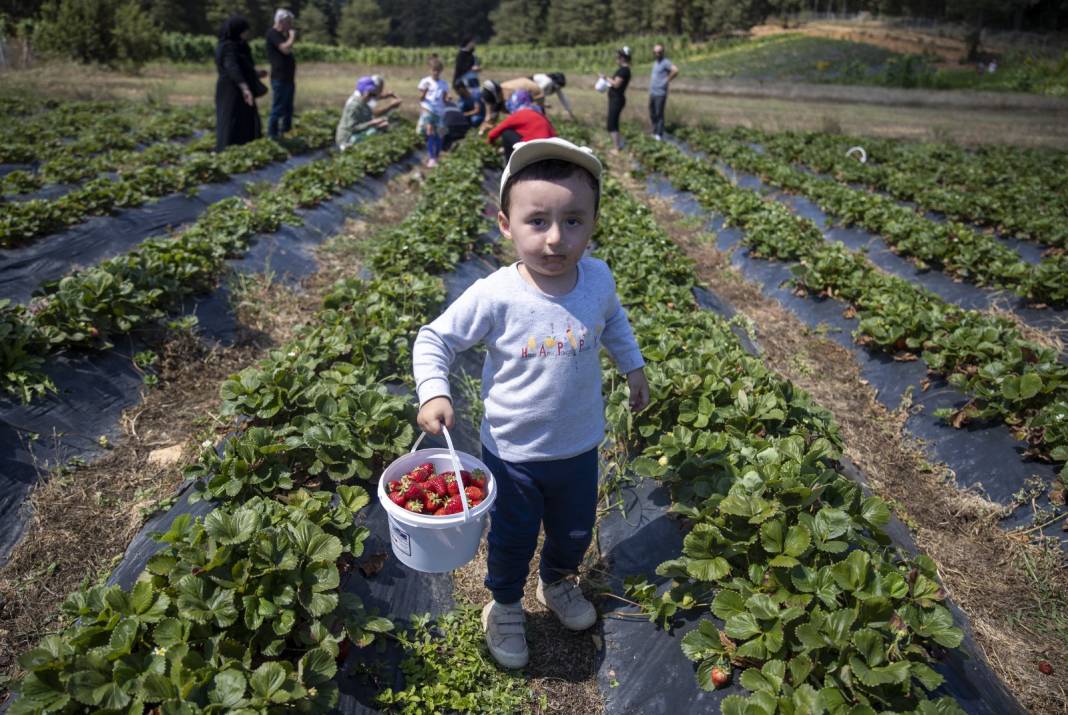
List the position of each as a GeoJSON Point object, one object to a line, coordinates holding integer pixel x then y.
{"type": "Point", "coordinates": [727, 603]}
{"type": "Point", "coordinates": [317, 667]}
{"type": "Point", "coordinates": [235, 528]}
{"type": "Point", "coordinates": [1030, 385]}
{"type": "Point", "coordinates": [761, 606]}
{"type": "Point", "coordinates": [170, 632]}
{"type": "Point", "coordinates": [713, 569]}
{"type": "Point", "coordinates": [229, 689]}
{"type": "Point", "coordinates": [772, 536]}
{"type": "Point", "coordinates": [875, 511]}
{"type": "Point", "coordinates": [743, 625]}
{"type": "Point", "coordinates": [753, 679]}
{"type": "Point", "coordinates": [883, 675]}
{"type": "Point", "coordinates": [267, 680]}
{"type": "Point", "coordinates": [313, 544]}
{"type": "Point", "coordinates": [798, 539]}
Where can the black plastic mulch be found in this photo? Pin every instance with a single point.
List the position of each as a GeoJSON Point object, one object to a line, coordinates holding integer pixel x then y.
{"type": "Point", "coordinates": [23, 269]}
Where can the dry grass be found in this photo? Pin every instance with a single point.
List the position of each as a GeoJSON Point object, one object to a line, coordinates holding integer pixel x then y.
{"type": "Point", "coordinates": [1020, 615]}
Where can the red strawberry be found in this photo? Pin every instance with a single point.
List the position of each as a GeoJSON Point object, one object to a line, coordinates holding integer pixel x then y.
{"type": "Point", "coordinates": [720, 677]}
{"type": "Point", "coordinates": [411, 490]}
{"type": "Point", "coordinates": [436, 484]}
{"type": "Point", "coordinates": [478, 479]}
{"type": "Point", "coordinates": [415, 505]}
{"type": "Point", "coordinates": [475, 503]}
{"type": "Point", "coordinates": [453, 506]}
{"type": "Point", "coordinates": [473, 493]}
{"type": "Point", "coordinates": [397, 498]}
{"type": "Point", "coordinates": [451, 486]}
{"type": "Point", "coordinates": [432, 501]}
{"type": "Point", "coordinates": [422, 472]}
{"type": "Point", "coordinates": [440, 512]}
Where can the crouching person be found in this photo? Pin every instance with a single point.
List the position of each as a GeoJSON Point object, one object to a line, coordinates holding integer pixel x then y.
{"type": "Point", "coordinates": [359, 118]}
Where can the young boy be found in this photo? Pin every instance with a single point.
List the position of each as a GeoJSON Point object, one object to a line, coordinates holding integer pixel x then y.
{"type": "Point", "coordinates": [433, 94]}
{"type": "Point", "coordinates": [543, 320]}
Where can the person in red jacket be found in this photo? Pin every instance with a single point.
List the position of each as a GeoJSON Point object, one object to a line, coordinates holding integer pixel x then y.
{"type": "Point", "coordinates": [525, 124]}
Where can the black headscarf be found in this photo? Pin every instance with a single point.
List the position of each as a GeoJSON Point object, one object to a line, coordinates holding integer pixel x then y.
{"type": "Point", "coordinates": [232, 28]}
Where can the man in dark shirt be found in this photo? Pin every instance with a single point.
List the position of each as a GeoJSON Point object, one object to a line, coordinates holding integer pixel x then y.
{"type": "Point", "coordinates": [280, 39]}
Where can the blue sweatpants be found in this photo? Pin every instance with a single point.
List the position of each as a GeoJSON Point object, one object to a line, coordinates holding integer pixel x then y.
{"type": "Point", "coordinates": [562, 495]}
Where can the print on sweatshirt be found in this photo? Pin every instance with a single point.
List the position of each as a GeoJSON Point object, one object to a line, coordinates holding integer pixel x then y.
{"type": "Point", "coordinates": [577, 340]}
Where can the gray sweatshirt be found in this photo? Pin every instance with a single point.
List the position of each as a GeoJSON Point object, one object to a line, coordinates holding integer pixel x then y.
{"type": "Point", "coordinates": [541, 382]}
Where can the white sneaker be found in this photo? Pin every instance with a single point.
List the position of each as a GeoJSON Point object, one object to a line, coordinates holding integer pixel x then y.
{"type": "Point", "coordinates": [565, 599]}
{"type": "Point", "coordinates": [506, 633]}
{"type": "Point", "coordinates": [431, 163]}
{"type": "Point", "coordinates": [658, 137]}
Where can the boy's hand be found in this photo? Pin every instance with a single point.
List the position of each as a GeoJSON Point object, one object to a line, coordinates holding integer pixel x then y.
{"type": "Point", "coordinates": [639, 390]}
{"type": "Point", "coordinates": [437, 410]}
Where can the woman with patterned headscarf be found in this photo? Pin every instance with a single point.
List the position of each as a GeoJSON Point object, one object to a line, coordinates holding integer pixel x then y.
{"type": "Point", "coordinates": [237, 120]}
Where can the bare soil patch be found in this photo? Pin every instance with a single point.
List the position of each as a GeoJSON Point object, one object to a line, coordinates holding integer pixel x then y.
{"type": "Point", "coordinates": [1013, 592]}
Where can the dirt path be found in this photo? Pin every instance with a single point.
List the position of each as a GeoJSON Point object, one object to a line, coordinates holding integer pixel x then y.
{"type": "Point", "coordinates": [1014, 593]}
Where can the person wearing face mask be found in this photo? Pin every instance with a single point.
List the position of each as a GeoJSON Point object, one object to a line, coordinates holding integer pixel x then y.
{"type": "Point", "coordinates": [663, 73]}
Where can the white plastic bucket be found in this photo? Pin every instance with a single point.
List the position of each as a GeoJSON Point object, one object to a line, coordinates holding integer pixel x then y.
{"type": "Point", "coordinates": [435, 544]}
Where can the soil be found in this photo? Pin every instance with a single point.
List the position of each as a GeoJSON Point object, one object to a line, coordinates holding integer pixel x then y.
{"type": "Point", "coordinates": [84, 518]}
{"type": "Point", "coordinates": [1018, 616]}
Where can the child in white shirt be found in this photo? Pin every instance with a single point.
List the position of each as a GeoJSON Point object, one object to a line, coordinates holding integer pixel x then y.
{"type": "Point", "coordinates": [433, 94]}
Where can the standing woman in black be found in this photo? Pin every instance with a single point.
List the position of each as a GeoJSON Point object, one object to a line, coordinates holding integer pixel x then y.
{"type": "Point", "coordinates": [237, 120]}
{"type": "Point", "coordinates": [617, 86]}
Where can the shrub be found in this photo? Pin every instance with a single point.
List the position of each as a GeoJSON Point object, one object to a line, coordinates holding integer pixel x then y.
{"type": "Point", "coordinates": [97, 31]}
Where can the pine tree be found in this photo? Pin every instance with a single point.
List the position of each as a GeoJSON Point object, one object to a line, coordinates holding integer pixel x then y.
{"type": "Point", "coordinates": [578, 22]}
{"type": "Point", "coordinates": [630, 17]}
{"type": "Point", "coordinates": [362, 23]}
{"type": "Point", "coordinates": [519, 22]}
{"type": "Point", "coordinates": [313, 25]}
{"type": "Point", "coordinates": [252, 10]}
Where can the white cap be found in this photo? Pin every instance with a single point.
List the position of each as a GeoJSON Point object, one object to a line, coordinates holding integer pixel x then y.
{"type": "Point", "coordinates": [527, 153]}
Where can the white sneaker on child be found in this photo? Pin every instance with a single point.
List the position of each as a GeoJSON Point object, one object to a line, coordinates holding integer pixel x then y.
{"type": "Point", "coordinates": [431, 163]}
{"type": "Point", "coordinates": [506, 633]}
{"type": "Point", "coordinates": [565, 599]}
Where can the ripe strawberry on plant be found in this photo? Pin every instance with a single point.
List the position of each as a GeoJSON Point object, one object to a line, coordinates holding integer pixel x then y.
{"type": "Point", "coordinates": [720, 677]}
{"type": "Point", "coordinates": [415, 505]}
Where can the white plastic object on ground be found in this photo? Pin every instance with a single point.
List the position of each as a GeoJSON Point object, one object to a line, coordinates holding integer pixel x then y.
{"type": "Point", "coordinates": [859, 150]}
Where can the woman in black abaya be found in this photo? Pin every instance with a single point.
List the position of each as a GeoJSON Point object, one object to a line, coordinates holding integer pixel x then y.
{"type": "Point", "coordinates": [237, 120]}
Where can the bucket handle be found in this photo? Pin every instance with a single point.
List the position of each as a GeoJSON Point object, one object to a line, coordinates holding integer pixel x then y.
{"type": "Point", "coordinates": [455, 466]}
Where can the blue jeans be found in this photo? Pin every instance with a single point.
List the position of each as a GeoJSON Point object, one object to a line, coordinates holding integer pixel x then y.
{"type": "Point", "coordinates": [281, 119]}
{"type": "Point", "coordinates": [562, 495]}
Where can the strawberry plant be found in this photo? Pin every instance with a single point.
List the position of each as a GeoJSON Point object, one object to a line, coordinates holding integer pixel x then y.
{"type": "Point", "coordinates": [148, 179]}
{"type": "Point", "coordinates": [952, 247]}
{"type": "Point", "coordinates": [131, 290]}
{"type": "Point", "coordinates": [238, 612]}
{"type": "Point", "coordinates": [813, 607]}
{"type": "Point", "coordinates": [1010, 377]}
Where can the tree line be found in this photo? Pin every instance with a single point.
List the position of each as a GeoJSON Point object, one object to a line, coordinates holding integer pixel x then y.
{"type": "Point", "coordinates": [123, 30]}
